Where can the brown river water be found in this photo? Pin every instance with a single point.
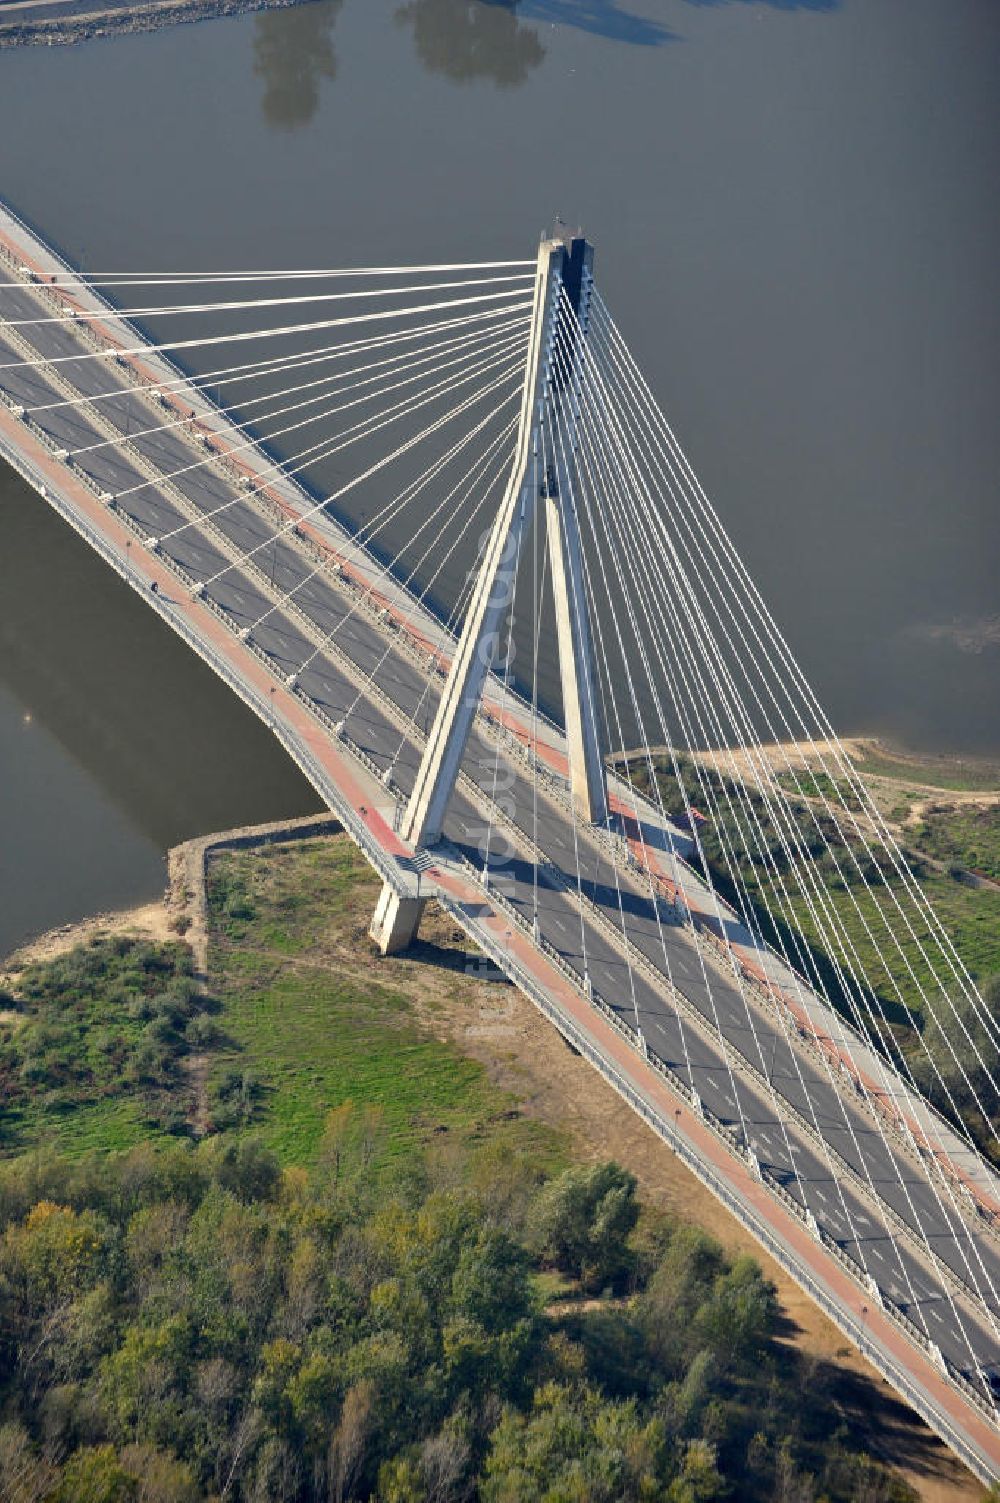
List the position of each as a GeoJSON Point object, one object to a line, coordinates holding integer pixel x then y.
{"type": "Point", "coordinates": [796, 209]}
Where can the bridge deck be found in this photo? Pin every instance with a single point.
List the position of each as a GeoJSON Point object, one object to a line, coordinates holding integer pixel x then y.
{"type": "Point", "coordinates": [861, 1184]}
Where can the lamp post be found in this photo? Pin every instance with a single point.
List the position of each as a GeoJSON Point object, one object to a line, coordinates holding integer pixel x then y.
{"type": "Point", "coordinates": [774, 1050]}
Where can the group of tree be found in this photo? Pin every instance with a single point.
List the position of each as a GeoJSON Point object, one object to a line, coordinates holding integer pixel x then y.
{"type": "Point", "coordinates": [190, 1322]}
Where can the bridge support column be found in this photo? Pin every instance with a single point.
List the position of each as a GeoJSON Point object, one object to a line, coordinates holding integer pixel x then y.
{"type": "Point", "coordinates": [584, 741]}
{"type": "Point", "coordinates": [396, 920]}
{"type": "Point", "coordinates": [480, 639]}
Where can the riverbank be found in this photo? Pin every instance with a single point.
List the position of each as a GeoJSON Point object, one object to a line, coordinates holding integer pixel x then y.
{"type": "Point", "coordinates": [277, 920]}
{"type": "Point", "coordinates": [58, 23]}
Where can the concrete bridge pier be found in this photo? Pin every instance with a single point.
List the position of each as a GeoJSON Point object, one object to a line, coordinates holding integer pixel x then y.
{"type": "Point", "coordinates": [396, 921]}
{"type": "Point", "coordinates": [397, 918]}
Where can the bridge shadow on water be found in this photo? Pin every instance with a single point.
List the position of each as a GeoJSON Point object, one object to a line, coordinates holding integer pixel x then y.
{"type": "Point", "coordinates": [789, 5]}
{"type": "Point", "coordinates": [604, 18]}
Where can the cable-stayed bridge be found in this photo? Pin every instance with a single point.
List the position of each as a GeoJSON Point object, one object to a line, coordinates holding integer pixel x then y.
{"type": "Point", "coordinates": [489, 434]}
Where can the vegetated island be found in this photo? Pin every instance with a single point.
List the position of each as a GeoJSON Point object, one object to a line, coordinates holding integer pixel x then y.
{"type": "Point", "coordinates": [50, 23]}
{"type": "Point", "coordinates": [283, 1220]}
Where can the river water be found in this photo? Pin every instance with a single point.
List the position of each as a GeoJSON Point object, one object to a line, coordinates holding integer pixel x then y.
{"type": "Point", "coordinates": [796, 208]}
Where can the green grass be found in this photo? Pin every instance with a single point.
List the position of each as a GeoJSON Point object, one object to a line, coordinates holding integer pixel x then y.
{"type": "Point", "coordinates": [961, 835]}
{"type": "Point", "coordinates": [100, 1126]}
{"type": "Point", "coordinates": [286, 896]}
{"type": "Point", "coordinates": [317, 1043]}
{"type": "Point", "coordinates": [108, 1125]}
{"type": "Point", "coordinates": [970, 916]}
{"type": "Point", "coordinates": [806, 783]}
{"type": "Point", "coordinates": [896, 955]}
{"type": "Point", "coordinates": [316, 1036]}
{"type": "Point", "coordinates": [310, 1018]}
{"type": "Point", "coordinates": [945, 772]}
{"type": "Point", "coordinates": [92, 1053]}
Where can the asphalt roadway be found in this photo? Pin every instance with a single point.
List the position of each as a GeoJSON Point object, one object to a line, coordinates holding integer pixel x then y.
{"type": "Point", "coordinates": [850, 1215]}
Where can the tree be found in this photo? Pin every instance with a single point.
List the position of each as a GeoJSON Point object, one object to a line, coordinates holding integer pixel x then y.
{"type": "Point", "coordinates": [444, 1466]}
{"type": "Point", "coordinates": [491, 1282]}
{"type": "Point", "coordinates": [582, 1221]}
{"type": "Point", "coordinates": [55, 1255]}
{"type": "Point", "coordinates": [24, 1476]}
{"type": "Point", "coordinates": [93, 1474]}
{"type": "Point", "coordinates": [347, 1445]}
{"type": "Point", "coordinates": [249, 1170]}
{"type": "Point", "coordinates": [139, 1381]}
{"type": "Point", "coordinates": [334, 1144]}
{"type": "Point", "coordinates": [159, 1477]}
{"type": "Point", "coordinates": [667, 1306]}
{"type": "Point", "coordinates": [685, 1401]}
{"type": "Point", "coordinates": [739, 1316]}
{"type": "Point", "coordinates": [700, 1480]}
{"type": "Point", "coordinates": [399, 1481]}
{"type": "Point", "coordinates": [575, 1445]}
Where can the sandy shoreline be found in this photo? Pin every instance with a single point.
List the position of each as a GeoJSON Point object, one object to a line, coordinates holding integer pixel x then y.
{"type": "Point", "coordinates": [181, 910]}
{"type": "Point", "coordinates": [917, 769]}
{"type": "Point", "coordinates": [57, 23]}
{"type": "Point", "coordinates": [151, 920]}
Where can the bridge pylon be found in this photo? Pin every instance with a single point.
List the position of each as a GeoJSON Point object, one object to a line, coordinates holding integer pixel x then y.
{"type": "Point", "coordinates": [552, 378]}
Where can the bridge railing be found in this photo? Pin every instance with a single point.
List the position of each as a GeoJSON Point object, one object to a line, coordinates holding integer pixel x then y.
{"type": "Point", "coordinates": [686, 1009]}
{"type": "Point", "coordinates": [894, 1117]}
{"type": "Point", "coordinates": [261, 707]}
{"type": "Point", "coordinates": [733, 1138]}
{"type": "Point", "coordinates": [316, 774]}
{"type": "Point", "coordinates": [758, 1226]}
{"type": "Point", "coordinates": [390, 871]}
